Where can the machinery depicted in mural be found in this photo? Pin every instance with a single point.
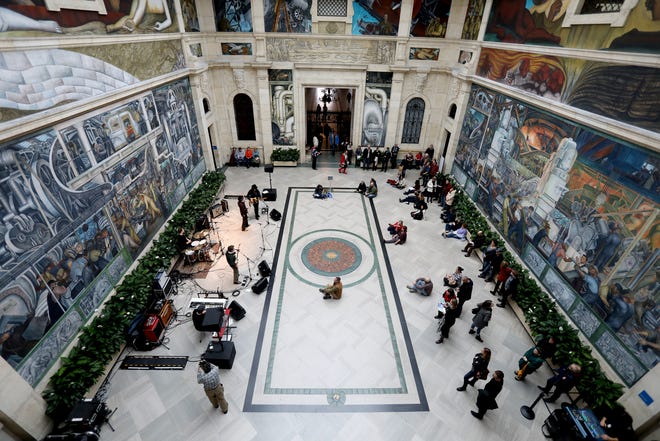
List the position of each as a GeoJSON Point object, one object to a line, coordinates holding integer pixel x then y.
{"type": "Point", "coordinates": [376, 17]}
{"type": "Point", "coordinates": [233, 15]}
{"type": "Point", "coordinates": [76, 206]}
{"type": "Point", "coordinates": [288, 16]}
{"type": "Point", "coordinates": [582, 208]}
{"type": "Point", "coordinates": [376, 107]}
{"type": "Point", "coordinates": [281, 106]}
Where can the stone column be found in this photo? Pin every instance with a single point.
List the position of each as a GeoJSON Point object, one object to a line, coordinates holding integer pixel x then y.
{"type": "Point", "coordinates": [262, 117]}
{"type": "Point", "coordinates": [394, 109]}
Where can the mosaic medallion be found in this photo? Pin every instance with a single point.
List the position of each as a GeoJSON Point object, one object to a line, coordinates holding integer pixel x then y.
{"type": "Point", "coordinates": [320, 255]}
{"type": "Point", "coordinates": [331, 256]}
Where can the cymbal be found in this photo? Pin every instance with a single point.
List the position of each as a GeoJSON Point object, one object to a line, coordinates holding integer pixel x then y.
{"type": "Point", "coordinates": [200, 234]}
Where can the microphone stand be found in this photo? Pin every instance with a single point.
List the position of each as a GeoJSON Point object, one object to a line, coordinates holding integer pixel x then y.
{"type": "Point", "coordinates": [263, 242]}
{"type": "Point", "coordinates": [250, 262]}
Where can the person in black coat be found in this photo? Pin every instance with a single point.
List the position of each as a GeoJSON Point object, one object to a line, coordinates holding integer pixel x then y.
{"type": "Point", "coordinates": [486, 398]}
{"type": "Point", "coordinates": [510, 288]}
{"type": "Point", "coordinates": [464, 293]}
{"type": "Point", "coordinates": [566, 378]}
{"type": "Point", "coordinates": [475, 244]}
{"type": "Point", "coordinates": [451, 314]}
{"type": "Point", "coordinates": [479, 369]}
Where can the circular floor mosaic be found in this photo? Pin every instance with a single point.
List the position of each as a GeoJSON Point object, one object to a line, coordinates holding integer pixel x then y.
{"type": "Point", "coordinates": [331, 256]}
{"type": "Point", "coordinates": [318, 256]}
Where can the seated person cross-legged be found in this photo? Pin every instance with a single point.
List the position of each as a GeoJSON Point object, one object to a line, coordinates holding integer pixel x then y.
{"type": "Point", "coordinates": [320, 192]}
{"type": "Point", "coordinates": [423, 286]}
{"type": "Point", "coordinates": [399, 238]}
{"type": "Point", "coordinates": [454, 280]}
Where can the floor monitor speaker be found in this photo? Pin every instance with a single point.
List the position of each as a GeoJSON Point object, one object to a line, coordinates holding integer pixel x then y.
{"type": "Point", "coordinates": [275, 215]}
{"type": "Point", "coordinates": [260, 286]}
{"type": "Point", "coordinates": [268, 168]}
{"type": "Point", "coordinates": [236, 311]}
{"type": "Point", "coordinates": [269, 194]}
{"type": "Point", "coordinates": [264, 269]}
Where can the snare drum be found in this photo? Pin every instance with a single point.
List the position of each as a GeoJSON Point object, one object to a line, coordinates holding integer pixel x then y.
{"type": "Point", "coordinates": [189, 257]}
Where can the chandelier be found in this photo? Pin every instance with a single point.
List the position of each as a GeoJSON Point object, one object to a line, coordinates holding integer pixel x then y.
{"type": "Point", "coordinates": [329, 95]}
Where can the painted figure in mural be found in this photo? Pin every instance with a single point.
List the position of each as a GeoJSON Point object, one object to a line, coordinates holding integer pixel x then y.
{"type": "Point", "coordinates": [511, 22]}
{"type": "Point", "coordinates": [372, 123]}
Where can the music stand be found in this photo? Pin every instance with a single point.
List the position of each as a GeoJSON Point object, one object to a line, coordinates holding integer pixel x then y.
{"type": "Point", "coordinates": [330, 178]}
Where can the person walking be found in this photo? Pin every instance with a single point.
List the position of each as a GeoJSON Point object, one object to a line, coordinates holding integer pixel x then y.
{"type": "Point", "coordinates": [487, 395]}
{"type": "Point", "coordinates": [209, 376]}
{"type": "Point", "coordinates": [315, 155]}
{"type": "Point", "coordinates": [333, 291]}
{"type": "Point", "coordinates": [451, 314]}
{"type": "Point", "coordinates": [244, 212]}
{"type": "Point", "coordinates": [482, 314]}
{"type": "Point", "coordinates": [232, 260]}
{"type": "Point", "coordinates": [479, 369]}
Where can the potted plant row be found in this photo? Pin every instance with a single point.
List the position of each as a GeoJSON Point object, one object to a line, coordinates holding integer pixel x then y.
{"type": "Point", "coordinates": [285, 157]}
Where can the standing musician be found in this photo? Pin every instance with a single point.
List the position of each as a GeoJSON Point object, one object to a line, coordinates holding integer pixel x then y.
{"type": "Point", "coordinates": [244, 212]}
{"type": "Point", "coordinates": [254, 196]}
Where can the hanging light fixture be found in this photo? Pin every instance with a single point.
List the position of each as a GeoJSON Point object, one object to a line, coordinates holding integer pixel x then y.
{"type": "Point", "coordinates": [329, 95]}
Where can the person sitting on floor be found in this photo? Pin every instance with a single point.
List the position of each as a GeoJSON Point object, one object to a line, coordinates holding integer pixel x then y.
{"type": "Point", "coordinates": [320, 192]}
{"type": "Point", "coordinates": [411, 198]}
{"type": "Point", "coordinates": [395, 228]}
{"type": "Point", "coordinates": [361, 188]}
{"type": "Point", "coordinates": [414, 189]}
{"type": "Point", "coordinates": [420, 207]}
{"type": "Point", "coordinates": [372, 191]}
{"type": "Point", "coordinates": [454, 280]}
{"type": "Point", "coordinates": [333, 291]}
{"type": "Point", "coordinates": [399, 238]}
{"type": "Point", "coordinates": [423, 286]}
{"type": "Point", "coordinates": [460, 233]}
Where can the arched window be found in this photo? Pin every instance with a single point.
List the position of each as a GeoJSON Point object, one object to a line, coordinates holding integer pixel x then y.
{"type": "Point", "coordinates": [244, 118]}
{"type": "Point", "coordinates": [206, 105]}
{"type": "Point", "coordinates": [452, 111]}
{"type": "Point", "coordinates": [412, 125]}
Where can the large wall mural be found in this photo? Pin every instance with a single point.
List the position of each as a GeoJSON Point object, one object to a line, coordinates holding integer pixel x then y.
{"type": "Point", "coordinates": [376, 108]}
{"type": "Point", "coordinates": [376, 18]}
{"type": "Point", "coordinates": [473, 17]}
{"type": "Point", "coordinates": [281, 106]}
{"type": "Point", "coordinates": [553, 23]}
{"type": "Point", "coordinates": [584, 84]}
{"type": "Point", "coordinates": [78, 203]}
{"type": "Point", "coordinates": [582, 210]}
{"type": "Point", "coordinates": [288, 16]}
{"type": "Point", "coordinates": [429, 19]}
{"type": "Point", "coordinates": [28, 19]}
{"type": "Point", "coordinates": [37, 80]}
{"type": "Point", "coordinates": [233, 15]}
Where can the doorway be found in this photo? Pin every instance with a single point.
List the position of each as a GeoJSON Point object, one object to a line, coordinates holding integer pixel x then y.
{"type": "Point", "coordinates": [329, 112]}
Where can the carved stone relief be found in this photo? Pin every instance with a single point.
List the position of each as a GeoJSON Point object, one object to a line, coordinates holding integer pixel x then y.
{"type": "Point", "coordinates": [239, 78]}
{"type": "Point", "coordinates": [329, 51]}
{"type": "Point", "coordinates": [420, 81]}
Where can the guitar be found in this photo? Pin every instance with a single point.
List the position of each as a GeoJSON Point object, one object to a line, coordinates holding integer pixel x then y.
{"type": "Point", "coordinates": [254, 200]}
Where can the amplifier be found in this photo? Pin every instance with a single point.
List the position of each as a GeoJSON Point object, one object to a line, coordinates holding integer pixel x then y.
{"type": "Point", "coordinates": [152, 328]}
{"type": "Point", "coordinates": [269, 194]}
{"type": "Point", "coordinates": [162, 284]}
{"type": "Point", "coordinates": [217, 210]}
{"type": "Point", "coordinates": [166, 314]}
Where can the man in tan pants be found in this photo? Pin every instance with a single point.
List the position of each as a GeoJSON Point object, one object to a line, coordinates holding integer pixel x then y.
{"type": "Point", "coordinates": [209, 375]}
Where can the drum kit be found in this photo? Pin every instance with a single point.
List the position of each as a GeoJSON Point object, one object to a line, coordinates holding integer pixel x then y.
{"type": "Point", "coordinates": [200, 249]}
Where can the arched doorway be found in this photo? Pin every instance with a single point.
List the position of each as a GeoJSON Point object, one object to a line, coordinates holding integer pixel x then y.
{"type": "Point", "coordinates": [329, 112]}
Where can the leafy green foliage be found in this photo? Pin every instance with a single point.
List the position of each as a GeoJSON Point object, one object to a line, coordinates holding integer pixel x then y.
{"type": "Point", "coordinates": [104, 335]}
{"type": "Point", "coordinates": [288, 154]}
{"type": "Point", "coordinates": [542, 317]}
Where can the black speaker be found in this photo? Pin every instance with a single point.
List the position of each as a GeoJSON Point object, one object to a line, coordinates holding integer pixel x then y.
{"type": "Point", "coordinates": [260, 286]}
{"type": "Point", "coordinates": [220, 354]}
{"type": "Point", "coordinates": [275, 215]}
{"type": "Point", "coordinates": [202, 223]}
{"type": "Point", "coordinates": [268, 168]}
{"type": "Point", "coordinates": [264, 269]}
{"type": "Point", "coordinates": [269, 194]}
{"type": "Point", "coordinates": [237, 312]}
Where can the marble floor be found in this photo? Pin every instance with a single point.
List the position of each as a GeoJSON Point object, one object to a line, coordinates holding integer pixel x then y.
{"type": "Point", "coordinates": [365, 367]}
